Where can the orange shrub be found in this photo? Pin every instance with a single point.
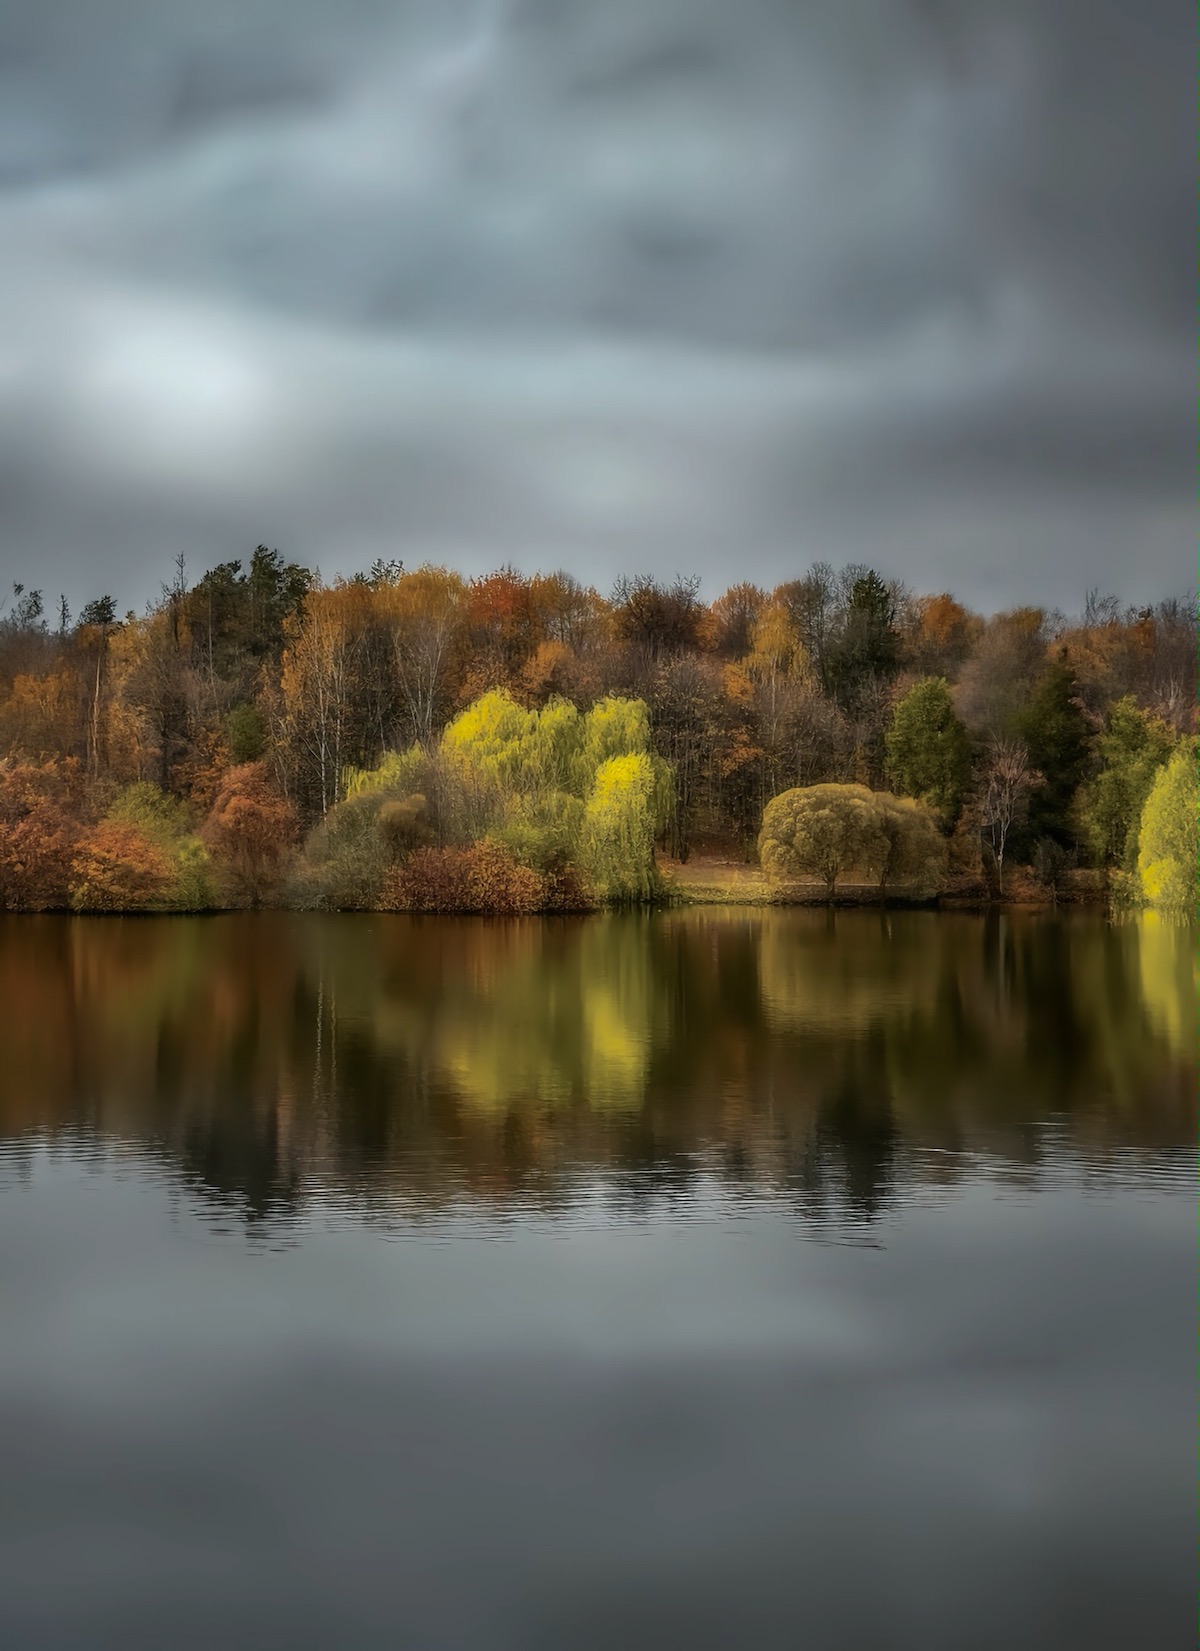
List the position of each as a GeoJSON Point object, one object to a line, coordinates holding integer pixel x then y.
{"type": "Point", "coordinates": [39, 831]}
{"type": "Point", "coordinates": [117, 868]}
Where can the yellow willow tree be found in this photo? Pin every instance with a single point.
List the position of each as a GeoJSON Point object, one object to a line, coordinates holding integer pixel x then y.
{"type": "Point", "coordinates": [628, 806]}
{"type": "Point", "coordinates": [484, 773]}
{"type": "Point", "coordinates": [560, 791]}
{"type": "Point", "coordinates": [614, 727]}
{"type": "Point", "coordinates": [554, 785]}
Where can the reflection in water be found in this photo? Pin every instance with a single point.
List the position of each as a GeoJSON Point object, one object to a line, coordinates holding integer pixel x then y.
{"type": "Point", "coordinates": [262, 1386]}
{"type": "Point", "coordinates": [411, 1064]}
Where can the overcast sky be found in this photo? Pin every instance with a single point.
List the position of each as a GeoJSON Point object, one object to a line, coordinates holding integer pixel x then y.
{"type": "Point", "coordinates": [714, 285]}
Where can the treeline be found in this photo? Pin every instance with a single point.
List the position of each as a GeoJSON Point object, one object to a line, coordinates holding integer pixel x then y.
{"type": "Point", "coordinates": [418, 739]}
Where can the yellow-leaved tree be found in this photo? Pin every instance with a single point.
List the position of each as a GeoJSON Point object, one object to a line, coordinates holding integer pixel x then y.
{"type": "Point", "coordinates": [1168, 838]}
{"type": "Point", "coordinates": [556, 786]}
{"type": "Point", "coordinates": [576, 797]}
{"type": "Point", "coordinates": [628, 806]}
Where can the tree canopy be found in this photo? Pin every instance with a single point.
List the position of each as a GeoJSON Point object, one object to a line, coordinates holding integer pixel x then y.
{"type": "Point", "coordinates": [823, 831]}
{"type": "Point", "coordinates": [498, 699]}
{"type": "Point", "coordinates": [1168, 840]}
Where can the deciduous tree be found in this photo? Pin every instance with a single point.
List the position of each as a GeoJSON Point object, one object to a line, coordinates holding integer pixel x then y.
{"type": "Point", "coordinates": [117, 867]}
{"type": "Point", "coordinates": [1002, 803]}
{"type": "Point", "coordinates": [39, 830]}
{"type": "Point", "coordinates": [1168, 848]}
{"type": "Point", "coordinates": [998, 679]}
{"type": "Point", "coordinates": [822, 831]}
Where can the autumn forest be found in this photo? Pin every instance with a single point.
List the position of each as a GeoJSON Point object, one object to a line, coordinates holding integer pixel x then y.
{"type": "Point", "coordinates": [417, 740]}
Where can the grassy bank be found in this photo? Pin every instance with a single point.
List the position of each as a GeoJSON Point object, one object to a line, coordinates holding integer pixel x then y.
{"type": "Point", "coordinates": [709, 880]}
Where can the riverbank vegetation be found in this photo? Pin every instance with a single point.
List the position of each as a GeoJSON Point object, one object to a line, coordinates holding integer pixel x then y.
{"type": "Point", "coordinates": [415, 740]}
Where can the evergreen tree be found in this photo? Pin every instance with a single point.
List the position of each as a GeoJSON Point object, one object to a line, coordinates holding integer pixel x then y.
{"type": "Point", "coordinates": [1055, 733]}
{"type": "Point", "coordinates": [867, 649]}
{"type": "Point", "coordinates": [928, 751]}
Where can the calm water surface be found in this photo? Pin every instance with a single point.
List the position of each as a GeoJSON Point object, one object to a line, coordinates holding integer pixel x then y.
{"type": "Point", "coordinates": [766, 1279]}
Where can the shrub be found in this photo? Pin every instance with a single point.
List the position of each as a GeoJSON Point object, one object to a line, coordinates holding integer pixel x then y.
{"type": "Point", "coordinates": [345, 858]}
{"type": "Point", "coordinates": [192, 888]}
{"type": "Point", "coordinates": [916, 855]}
{"type": "Point", "coordinates": [567, 889]}
{"type": "Point", "coordinates": [349, 852]}
{"type": "Point", "coordinates": [118, 867]}
{"type": "Point", "coordinates": [403, 825]}
{"type": "Point", "coordinates": [484, 878]}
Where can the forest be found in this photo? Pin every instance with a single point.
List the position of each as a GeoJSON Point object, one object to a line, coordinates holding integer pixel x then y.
{"type": "Point", "coordinates": [411, 739]}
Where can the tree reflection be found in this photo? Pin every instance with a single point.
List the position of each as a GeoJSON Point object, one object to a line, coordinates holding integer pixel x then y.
{"type": "Point", "coordinates": [278, 1059]}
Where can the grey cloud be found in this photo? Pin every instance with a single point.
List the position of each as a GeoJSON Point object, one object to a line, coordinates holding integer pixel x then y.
{"type": "Point", "coordinates": [684, 283]}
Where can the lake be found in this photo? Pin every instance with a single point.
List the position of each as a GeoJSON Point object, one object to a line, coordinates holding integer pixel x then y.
{"type": "Point", "coordinates": [778, 1278]}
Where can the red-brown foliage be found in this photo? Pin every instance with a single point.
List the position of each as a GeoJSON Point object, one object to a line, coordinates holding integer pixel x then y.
{"type": "Point", "coordinates": [251, 833]}
{"type": "Point", "coordinates": [566, 889]}
{"type": "Point", "coordinates": [483, 878]}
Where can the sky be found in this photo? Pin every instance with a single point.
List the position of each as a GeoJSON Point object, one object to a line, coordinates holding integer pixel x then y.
{"type": "Point", "coordinates": [712, 286]}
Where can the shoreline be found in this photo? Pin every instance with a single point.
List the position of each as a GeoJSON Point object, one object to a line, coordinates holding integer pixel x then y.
{"type": "Point", "coordinates": [697, 897]}
{"type": "Point", "coordinates": [716, 882]}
